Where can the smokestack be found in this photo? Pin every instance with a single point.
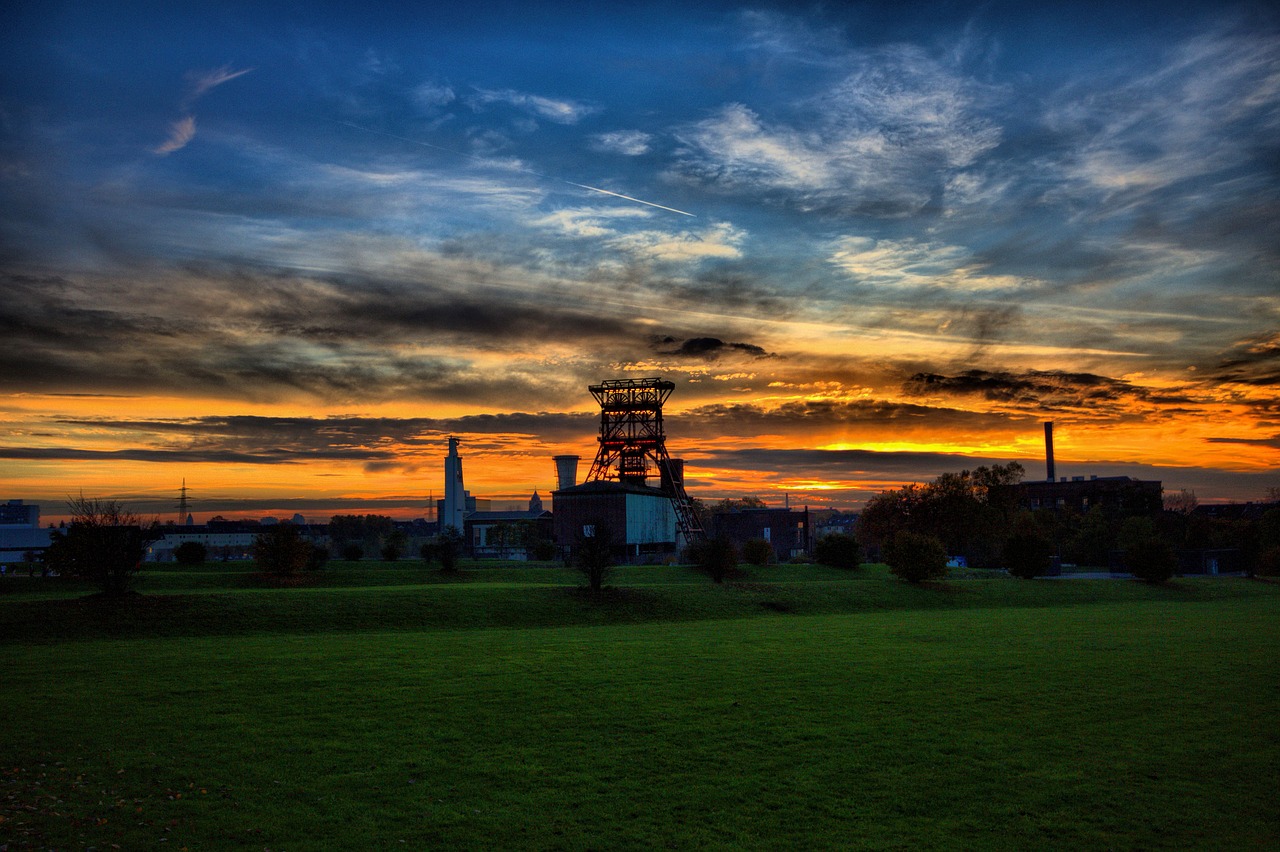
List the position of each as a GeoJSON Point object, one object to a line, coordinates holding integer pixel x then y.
{"type": "Point", "coordinates": [566, 471]}
{"type": "Point", "coordinates": [1048, 448]}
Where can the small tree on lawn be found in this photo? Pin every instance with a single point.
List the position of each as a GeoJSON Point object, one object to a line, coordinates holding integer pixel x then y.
{"type": "Point", "coordinates": [281, 550]}
{"type": "Point", "coordinates": [190, 553]}
{"type": "Point", "coordinates": [1027, 552]}
{"type": "Point", "coordinates": [446, 549]}
{"type": "Point", "coordinates": [915, 557]}
{"type": "Point", "coordinates": [593, 555]}
{"type": "Point", "coordinates": [104, 543]}
{"type": "Point", "coordinates": [716, 556]}
{"type": "Point", "coordinates": [393, 546]}
{"type": "Point", "coordinates": [757, 551]}
{"type": "Point", "coordinates": [1150, 559]}
{"type": "Point", "coordinates": [839, 550]}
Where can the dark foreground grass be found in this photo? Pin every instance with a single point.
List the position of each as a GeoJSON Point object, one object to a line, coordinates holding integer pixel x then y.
{"type": "Point", "coordinates": [1089, 714]}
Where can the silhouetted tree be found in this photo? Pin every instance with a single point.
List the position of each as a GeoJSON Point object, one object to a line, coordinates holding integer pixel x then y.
{"type": "Point", "coordinates": [839, 550]}
{"type": "Point", "coordinates": [393, 546]}
{"type": "Point", "coordinates": [104, 543]}
{"type": "Point", "coordinates": [915, 557]}
{"type": "Point", "coordinates": [1150, 559]}
{"type": "Point", "coordinates": [190, 553]}
{"type": "Point", "coordinates": [445, 548]}
{"type": "Point", "coordinates": [757, 551]}
{"type": "Point", "coordinates": [716, 556]}
{"type": "Point", "coordinates": [280, 549]}
{"type": "Point", "coordinates": [593, 555]}
{"type": "Point", "coordinates": [1028, 552]}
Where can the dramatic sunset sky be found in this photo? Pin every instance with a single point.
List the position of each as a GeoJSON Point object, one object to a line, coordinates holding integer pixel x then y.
{"type": "Point", "coordinates": [284, 250]}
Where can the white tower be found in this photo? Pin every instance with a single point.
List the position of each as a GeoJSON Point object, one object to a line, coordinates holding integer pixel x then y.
{"type": "Point", "coordinates": [455, 496]}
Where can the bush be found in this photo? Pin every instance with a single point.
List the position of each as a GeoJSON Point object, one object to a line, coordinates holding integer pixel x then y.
{"type": "Point", "coordinates": [391, 551]}
{"type": "Point", "coordinates": [715, 556]}
{"type": "Point", "coordinates": [103, 543]}
{"type": "Point", "coordinates": [543, 550]}
{"type": "Point", "coordinates": [838, 550]}
{"type": "Point", "coordinates": [1150, 559]}
{"type": "Point", "coordinates": [757, 552]}
{"type": "Point", "coordinates": [317, 558]}
{"type": "Point", "coordinates": [1268, 563]}
{"type": "Point", "coordinates": [915, 557]}
{"type": "Point", "coordinates": [1027, 554]}
{"type": "Point", "coordinates": [593, 556]}
{"type": "Point", "coordinates": [190, 553]}
{"type": "Point", "coordinates": [353, 552]}
{"type": "Point", "coordinates": [445, 548]}
{"type": "Point", "coordinates": [281, 550]}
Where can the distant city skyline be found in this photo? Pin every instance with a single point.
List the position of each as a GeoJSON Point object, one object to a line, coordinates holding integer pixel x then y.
{"type": "Point", "coordinates": [286, 252]}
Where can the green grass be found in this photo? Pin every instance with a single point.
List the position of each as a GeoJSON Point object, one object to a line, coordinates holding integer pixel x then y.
{"type": "Point", "coordinates": [799, 707]}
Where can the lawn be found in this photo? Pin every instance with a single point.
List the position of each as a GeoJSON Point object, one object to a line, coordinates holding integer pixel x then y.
{"type": "Point", "coordinates": [797, 707]}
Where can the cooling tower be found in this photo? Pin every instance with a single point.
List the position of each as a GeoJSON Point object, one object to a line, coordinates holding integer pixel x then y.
{"type": "Point", "coordinates": [566, 471]}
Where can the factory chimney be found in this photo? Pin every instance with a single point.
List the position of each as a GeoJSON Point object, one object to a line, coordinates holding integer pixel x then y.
{"type": "Point", "coordinates": [566, 471]}
{"type": "Point", "coordinates": [1048, 448]}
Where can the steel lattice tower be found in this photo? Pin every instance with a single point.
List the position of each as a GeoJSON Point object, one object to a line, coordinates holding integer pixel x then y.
{"type": "Point", "coordinates": [632, 437]}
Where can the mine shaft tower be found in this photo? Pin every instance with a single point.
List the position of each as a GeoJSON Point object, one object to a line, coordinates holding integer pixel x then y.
{"type": "Point", "coordinates": [632, 437]}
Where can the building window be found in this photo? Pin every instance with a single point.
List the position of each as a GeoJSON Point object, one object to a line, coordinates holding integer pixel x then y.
{"type": "Point", "coordinates": [588, 530]}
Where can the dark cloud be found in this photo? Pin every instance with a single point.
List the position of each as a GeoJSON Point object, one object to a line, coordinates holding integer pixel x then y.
{"type": "Point", "coordinates": [1273, 442]}
{"type": "Point", "coordinates": [707, 348]}
{"type": "Point", "coordinates": [244, 333]}
{"type": "Point", "coordinates": [289, 440]}
{"type": "Point", "coordinates": [822, 417]}
{"type": "Point", "coordinates": [1043, 390]}
{"type": "Point", "coordinates": [1253, 361]}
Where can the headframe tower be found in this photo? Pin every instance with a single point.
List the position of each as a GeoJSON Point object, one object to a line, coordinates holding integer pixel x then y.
{"type": "Point", "coordinates": [633, 441]}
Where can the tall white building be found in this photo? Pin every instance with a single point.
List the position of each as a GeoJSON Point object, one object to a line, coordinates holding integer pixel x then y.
{"type": "Point", "coordinates": [455, 495]}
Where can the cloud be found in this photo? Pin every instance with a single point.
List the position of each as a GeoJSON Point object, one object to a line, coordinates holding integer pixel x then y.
{"type": "Point", "coordinates": [911, 263]}
{"type": "Point", "coordinates": [561, 111]}
{"type": "Point", "coordinates": [882, 140]}
{"type": "Point", "coordinates": [200, 82]}
{"type": "Point", "coordinates": [181, 132]}
{"type": "Point", "coordinates": [630, 143]}
{"type": "Point", "coordinates": [720, 240]}
{"type": "Point", "coordinates": [434, 95]}
{"type": "Point", "coordinates": [708, 348]}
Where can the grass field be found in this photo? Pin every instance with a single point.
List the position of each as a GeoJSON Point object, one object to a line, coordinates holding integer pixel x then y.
{"type": "Point", "coordinates": [798, 707]}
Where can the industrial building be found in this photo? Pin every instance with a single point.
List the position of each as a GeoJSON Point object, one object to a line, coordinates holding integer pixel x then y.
{"type": "Point", "coordinates": [787, 531]}
{"type": "Point", "coordinates": [1116, 495]}
{"type": "Point", "coordinates": [646, 522]}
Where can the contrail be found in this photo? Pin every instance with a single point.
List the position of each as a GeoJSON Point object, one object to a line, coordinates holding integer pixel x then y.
{"type": "Point", "coordinates": [458, 153]}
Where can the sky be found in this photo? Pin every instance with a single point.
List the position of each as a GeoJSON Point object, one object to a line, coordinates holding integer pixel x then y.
{"type": "Point", "coordinates": [282, 251]}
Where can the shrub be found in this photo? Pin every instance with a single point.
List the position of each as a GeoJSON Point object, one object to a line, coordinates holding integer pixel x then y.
{"type": "Point", "coordinates": [915, 557]}
{"type": "Point", "coordinates": [317, 558]}
{"type": "Point", "coordinates": [838, 550]}
{"type": "Point", "coordinates": [103, 543]}
{"type": "Point", "coordinates": [445, 548]}
{"type": "Point", "coordinates": [190, 553]}
{"type": "Point", "coordinates": [1150, 559]}
{"type": "Point", "coordinates": [593, 556]}
{"type": "Point", "coordinates": [543, 550]}
{"type": "Point", "coordinates": [1268, 563]}
{"type": "Point", "coordinates": [353, 552]}
{"type": "Point", "coordinates": [757, 551]}
{"type": "Point", "coordinates": [391, 551]}
{"type": "Point", "coordinates": [715, 556]}
{"type": "Point", "coordinates": [1027, 554]}
{"type": "Point", "coordinates": [281, 550]}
